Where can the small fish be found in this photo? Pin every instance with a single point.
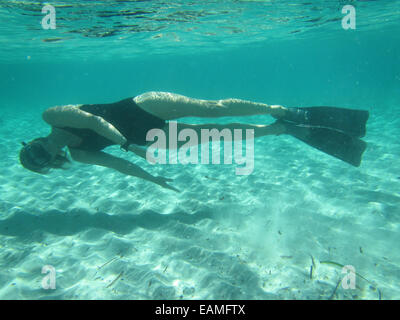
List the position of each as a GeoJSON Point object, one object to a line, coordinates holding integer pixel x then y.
{"type": "Point", "coordinates": [108, 262]}
{"type": "Point", "coordinates": [312, 260]}
{"type": "Point", "coordinates": [215, 179]}
{"type": "Point", "coordinates": [312, 266]}
{"type": "Point", "coordinates": [334, 291]}
{"type": "Point", "coordinates": [342, 266]}
{"type": "Point", "coordinates": [116, 279]}
{"type": "Point", "coordinates": [52, 39]}
{"type": "Point", "coordinates": [314, 20]}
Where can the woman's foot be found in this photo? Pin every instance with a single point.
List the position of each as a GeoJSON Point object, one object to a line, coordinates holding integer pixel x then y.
{"type": "Point", "coordinates": [278, 111]}
{"type": "Point", "coordinates": [278, 127]}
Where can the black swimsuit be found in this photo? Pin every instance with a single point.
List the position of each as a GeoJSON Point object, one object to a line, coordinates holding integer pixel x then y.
{"type": "Point", "coordinates": [132, 121]}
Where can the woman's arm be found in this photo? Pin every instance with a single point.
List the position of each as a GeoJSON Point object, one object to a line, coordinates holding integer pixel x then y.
{"type": "Point", "coordinates": [124, 166]}
{"type": "Point", "coordinates": [73, 117]}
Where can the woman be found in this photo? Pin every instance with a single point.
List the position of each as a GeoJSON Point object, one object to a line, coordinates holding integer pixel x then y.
{"type": "Point", "coordinates": [87, 129]}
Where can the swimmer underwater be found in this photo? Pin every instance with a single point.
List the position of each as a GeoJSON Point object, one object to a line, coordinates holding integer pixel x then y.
{"type": "Point", "coordinates": [87, 129]}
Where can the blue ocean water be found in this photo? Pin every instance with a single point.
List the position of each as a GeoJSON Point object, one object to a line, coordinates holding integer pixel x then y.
{"type": "Point", "coordinates": [224, 236]}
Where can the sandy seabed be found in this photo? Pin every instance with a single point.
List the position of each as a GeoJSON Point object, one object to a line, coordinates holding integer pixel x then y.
{"type": "Point", "coordinates": [223, 237]}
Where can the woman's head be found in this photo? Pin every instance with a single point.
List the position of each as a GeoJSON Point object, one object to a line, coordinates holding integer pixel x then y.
{"type": "Point", "coordinates": [38, 157]}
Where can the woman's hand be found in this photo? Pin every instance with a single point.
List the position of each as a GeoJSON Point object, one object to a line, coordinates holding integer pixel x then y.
{"type": "Point", "coordinates": [125, 144]}
{"type": "Point", "coordinates": [161, 181]}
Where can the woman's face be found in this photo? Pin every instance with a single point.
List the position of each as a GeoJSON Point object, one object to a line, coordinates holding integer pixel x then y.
{"type": "Point", "coordinates": [40, 154]}
{"type": "Point", "coordinates": [57, 156]}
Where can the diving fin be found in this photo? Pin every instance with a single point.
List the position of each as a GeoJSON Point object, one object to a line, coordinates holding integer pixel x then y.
{"type": "Point", "coordinates": [349, 121]}
{"type": "Point", "coordinates": [333, 142]}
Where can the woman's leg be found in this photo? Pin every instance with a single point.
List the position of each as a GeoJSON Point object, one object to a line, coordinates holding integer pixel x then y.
{"type": "Point", "coordinates": [259, 130]}
{"type": "Point", "coordinates": [169, 106]}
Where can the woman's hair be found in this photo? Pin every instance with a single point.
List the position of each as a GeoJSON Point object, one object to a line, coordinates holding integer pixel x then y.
{"type": "Point", "coordinates": [34, 156]}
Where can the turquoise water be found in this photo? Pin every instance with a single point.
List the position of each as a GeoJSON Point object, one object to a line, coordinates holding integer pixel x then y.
{"type": "Point", "coordinates": [224, 236]}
